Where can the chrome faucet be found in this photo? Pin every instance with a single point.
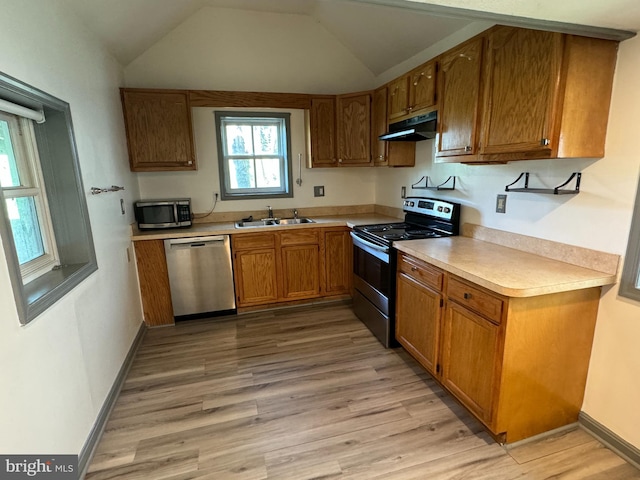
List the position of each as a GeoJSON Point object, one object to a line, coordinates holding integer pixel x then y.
{"type": "Point", "coordinates": [269, 212]}
{"type": "Point", "coordinates": [295, 213]}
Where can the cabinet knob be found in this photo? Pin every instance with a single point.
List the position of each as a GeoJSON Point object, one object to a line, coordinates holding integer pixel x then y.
{"type": "Point", "coordinates": [467, 296]}
{"type": "Point", "coordinates": [380, 157]}
{"type": "Point", "coordinates": [544, 142]}
{"type": "Point", "coordinates": [339, 160]}
{"type": "Point", "coordinates": [190, 162]}
{"type": "Point", "coordinates": [414, 269]}
{"type": "Point", "coordinates": [467, 148]}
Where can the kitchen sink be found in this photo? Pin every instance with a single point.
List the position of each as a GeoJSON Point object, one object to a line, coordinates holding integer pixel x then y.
{"type": "Point", "coordinates": [274, 222]}
{"type": "Point", "coordinates": [294, 221]}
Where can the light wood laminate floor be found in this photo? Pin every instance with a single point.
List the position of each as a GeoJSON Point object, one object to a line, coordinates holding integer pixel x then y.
{"type": "Point", "coordinates": [309, 393]}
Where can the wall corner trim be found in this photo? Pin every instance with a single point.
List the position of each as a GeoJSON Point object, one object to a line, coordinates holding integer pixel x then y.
{"type": "Point", "coordinates": [610, 439]}
{"type": "Point", "coordinates": [89, 448]}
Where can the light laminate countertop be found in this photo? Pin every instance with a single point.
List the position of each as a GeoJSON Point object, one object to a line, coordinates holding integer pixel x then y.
{"type": "Point", "coordinates": [228, 228]}
{"type": "Point", "coordinates": [503, 270]}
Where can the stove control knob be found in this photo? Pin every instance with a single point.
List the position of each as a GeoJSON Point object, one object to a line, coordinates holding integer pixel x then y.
{"type": "Point", "coordinates": [412, 204]}
{"type": "Point", "coordinates": [447, 209]}
{"type": "Point", "coordinates": [440, 209]}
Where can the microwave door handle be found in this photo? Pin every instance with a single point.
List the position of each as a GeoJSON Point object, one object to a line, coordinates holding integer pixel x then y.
{"type": "Point", "coordinates": [175, 213]}
{"type": "Point", "coordinates": [358, 239]}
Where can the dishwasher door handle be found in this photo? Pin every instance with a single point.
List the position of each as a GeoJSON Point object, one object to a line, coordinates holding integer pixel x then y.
{"type": "Point", "coordinates": [199, 241]}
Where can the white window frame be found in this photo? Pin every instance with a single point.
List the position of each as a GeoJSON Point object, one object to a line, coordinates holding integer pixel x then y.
{"type": "Point", "coordinates": [32, 185]}
{"type": "Point", "coordinates": [254, 118]}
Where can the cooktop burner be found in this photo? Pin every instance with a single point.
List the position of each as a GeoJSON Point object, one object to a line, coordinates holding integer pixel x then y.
{"type": "Point", "coordinates": [424, 218]}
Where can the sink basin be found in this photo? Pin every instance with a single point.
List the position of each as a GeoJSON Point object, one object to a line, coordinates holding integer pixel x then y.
{"type": "Point", "coordinates": [257, 223]}
{"type": "Point", "coordinates": [294, 221]}
{"type": "Point", "coordinates": [274, 222]}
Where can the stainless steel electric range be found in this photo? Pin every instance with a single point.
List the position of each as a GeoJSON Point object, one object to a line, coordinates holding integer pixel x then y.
{"type": "Point", "coordinates": [374, 259]}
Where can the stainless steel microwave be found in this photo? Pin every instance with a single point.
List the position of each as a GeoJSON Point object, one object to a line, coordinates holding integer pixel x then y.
{"type": "Point", "coordinates": [169, 213]}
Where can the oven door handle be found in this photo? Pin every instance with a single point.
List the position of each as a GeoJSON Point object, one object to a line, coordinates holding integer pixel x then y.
{"type": "Point", "coordinates": [359, 239]}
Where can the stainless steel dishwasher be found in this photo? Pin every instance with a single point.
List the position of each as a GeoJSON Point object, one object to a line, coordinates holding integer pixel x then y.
{"type": "Point", "coordinates": [200, 275]}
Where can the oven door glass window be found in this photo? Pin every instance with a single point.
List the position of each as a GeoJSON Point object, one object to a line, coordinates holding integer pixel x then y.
{"type": "Point", "coordinates": [372, 270]}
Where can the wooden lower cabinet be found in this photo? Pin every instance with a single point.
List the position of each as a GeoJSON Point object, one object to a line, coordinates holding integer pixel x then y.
{"type": "Point", "coordinates": [518, 364]}
{"type": "Point", "coordinates": [301, 271]}
{"type": "Point", "coordinates": [296, 264]}
{"type": "Point", "coordinates": [418, 320]}
{"type": "Point", "coordinates": [338, 264]}
{"type": "Point", "coordinates": [153, 276]}
{"type": "Point", "coordinates": [255, 276]}
{"type": "Point", "coordinates": [471, 360]}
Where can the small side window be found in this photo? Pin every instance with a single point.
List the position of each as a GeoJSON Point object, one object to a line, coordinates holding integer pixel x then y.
{"type": "Point", "coordinates": [44, 222]}
{"type": "Point", "coordinates": [25, 197]}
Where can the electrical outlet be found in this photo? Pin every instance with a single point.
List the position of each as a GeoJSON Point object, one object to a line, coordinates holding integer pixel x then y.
{"type": "Point", "coordinates": [318, 191]}
{"type": "Point", "coordinates": [501, 203]}
{"type": "Point", "coordinates": [403, 192]}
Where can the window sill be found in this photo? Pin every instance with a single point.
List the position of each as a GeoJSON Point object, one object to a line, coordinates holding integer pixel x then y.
{"type": "Point", "coordinates": [47, 289]}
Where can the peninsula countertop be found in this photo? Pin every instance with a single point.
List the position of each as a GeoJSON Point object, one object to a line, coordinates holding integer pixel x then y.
{"type": "Point", "coordinates": [503, 270]}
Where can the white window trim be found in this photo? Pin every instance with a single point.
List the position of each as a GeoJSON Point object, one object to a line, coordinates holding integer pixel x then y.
{"type": "Point", "coordinates": [30, 171]}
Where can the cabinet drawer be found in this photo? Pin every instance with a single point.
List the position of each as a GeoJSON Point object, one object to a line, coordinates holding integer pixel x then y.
{"type": "Point", "coordinates": [254, 240]}
{"type": "Point", "coordinates": [421, 271]}
{"type": "Point", "coordinates": [299, 237]}
{"type": "Point", "coordinates": [475, 299]}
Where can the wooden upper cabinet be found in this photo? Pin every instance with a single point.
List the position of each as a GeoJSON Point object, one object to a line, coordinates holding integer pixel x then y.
{"type": "Point", "coordinates": [387, 154]}
{"type": "Point", "coordinates": [422, 88]}
{"type": "Point", "coordinates": [522, 78]}
{"type": "Point", "coordinates": [542, 95]}
{"type": "Point", "coordinates": [159, 130]}
{"type": "Point", "coordinates": [398, 98]}
{"type": "Point", "coordinates": [413, 93]}
{"type": "Point", "coordinates": [354, 129]}
{"type": "Point", "coordinates": [379, 126]}
{"type": "Point", "coordinates": [459, 99]}
{"type": "Point", "coordinates": [323, 131]}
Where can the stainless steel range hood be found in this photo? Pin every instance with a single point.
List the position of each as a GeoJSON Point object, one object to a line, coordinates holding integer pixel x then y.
{"type": "Point", "coordinates": [421, 127]}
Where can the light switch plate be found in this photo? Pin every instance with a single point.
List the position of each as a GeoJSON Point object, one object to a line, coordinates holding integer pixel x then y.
{"type": "Point", "coordinates": [501, 203]}
{"type": "Point", "coordinates": [318, 191]}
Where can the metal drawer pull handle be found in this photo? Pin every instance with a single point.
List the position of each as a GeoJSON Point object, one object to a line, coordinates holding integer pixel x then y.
{"type": "Point", "coordinates": [414, 269]}
{"type": "Point", "coordinates": [467, 296]}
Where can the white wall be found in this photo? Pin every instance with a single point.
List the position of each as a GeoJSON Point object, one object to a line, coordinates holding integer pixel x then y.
{"type": "Point", "coordinates": [57, 370]}
{"type": "Point", "coordinates": [226, 49]}
{"type": "Point", "coordinates": [599, 218]}
{"type": "Point", "coordinates": [343, 186]}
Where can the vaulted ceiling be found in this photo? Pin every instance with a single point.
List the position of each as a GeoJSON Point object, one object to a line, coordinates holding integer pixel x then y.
{"type": "Point", "coordinates": [381, 33]}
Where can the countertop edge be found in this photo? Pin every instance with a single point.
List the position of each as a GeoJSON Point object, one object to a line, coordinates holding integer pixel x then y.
{"type": "Point", "coordinates": [598, 280]}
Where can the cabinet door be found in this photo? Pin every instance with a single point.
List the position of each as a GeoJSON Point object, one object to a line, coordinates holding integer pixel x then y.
{"type": "Point", "coordinates": [354, 129]}
{"type": "Point", "coordinates": [422, 87]}
{"type": "Point", "coordinates": [471, 360]}
{"type": "Point", "coordinates": [323, 131]}
{"type": "Point", "coordinates": [255, 276]}
{"type": "Point", "coordinates": [521, 76]}
{"type": "Point", "coordinates": [159, 131]}
{"type": "Point", "coordinates": [338, 266]}
{"type": "Point", "coordinates": [418, 320]}
{"type": "Point", "coordinates": [379, 126]}
{"type": "Point", "coordinates": [301, 271]}
{"type": "Point", "coordinates": [154, 282]}
{"type": "Point", "coordinates": [398, 98]}
{"type": "Point", "coordinates": [459, 99]}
